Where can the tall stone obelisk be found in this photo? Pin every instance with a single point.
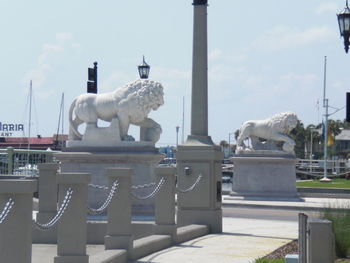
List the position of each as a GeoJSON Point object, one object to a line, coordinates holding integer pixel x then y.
{"type": "Point", "coordinates": [199, 156]}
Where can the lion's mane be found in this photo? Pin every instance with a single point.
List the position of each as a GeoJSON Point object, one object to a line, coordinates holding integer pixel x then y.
{"type": "Point", "coordinates": [281, 121]}
{"type": "Point", "coordinates": [143, 95]}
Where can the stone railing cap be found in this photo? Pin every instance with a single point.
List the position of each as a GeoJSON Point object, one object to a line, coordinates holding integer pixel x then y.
{"type": "Point", "coordinates": [21, 186]}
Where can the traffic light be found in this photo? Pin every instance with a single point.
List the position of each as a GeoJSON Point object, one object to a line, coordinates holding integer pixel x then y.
{"type": "Point", "coordinates": [348, 107]}
{"type": "Point", "coordinates": [92, 79]}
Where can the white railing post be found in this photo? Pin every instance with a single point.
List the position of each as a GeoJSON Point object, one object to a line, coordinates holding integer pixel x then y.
{"type": "Point", "coordinates": [72, 227]}
{"type": "Point", "coordinates": [302, 238]}
{"type": "Point", "coordinates": [16, 228]}
{"type": "Point", "coordinates": [47, 191]}
{"type": "Point", "coordinates": [165, 202]}
{"type": "Point", "coordinates": [119, 211]}
{"type": "Point", "coordinates": [320, 243]}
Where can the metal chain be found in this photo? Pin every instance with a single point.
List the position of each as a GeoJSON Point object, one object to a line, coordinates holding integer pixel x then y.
{"type": "Point", "coordinates": [192, 187]}
{"type": "Point", "coordinates": [98, 186]}
{"type": "Point", "coordinates": [319, 174]}
{"type": "Point", "coordinates": [101, 209]}
{"type": "Point", "coordinates": [6, 210]}
{"type": "Point", "coordinates": [142, 186]}
{"type": "Point", "coordinates": [153, 194]}
{"type": "Point", "coordinates": [59, 214]}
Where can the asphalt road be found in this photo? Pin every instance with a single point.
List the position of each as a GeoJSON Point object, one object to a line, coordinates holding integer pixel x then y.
{"type": "Point", "coordinates": [265, 214]}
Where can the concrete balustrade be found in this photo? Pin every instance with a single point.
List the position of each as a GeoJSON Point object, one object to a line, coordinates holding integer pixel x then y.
{"type": "Point", "coordinates": [48, 195]}
{"type": "Point", "coordinates": [119, 211]}
{"type": "Point", "coordinates": [47, 191]}
{"type": "Point", "coordinates": [165, 203]}
{"type": "Point", "coordinates": [16, 230]}
{"type": "Point", "coordinates": [320, 243]}
{"type": "Point", "coordinates": [72, 227]}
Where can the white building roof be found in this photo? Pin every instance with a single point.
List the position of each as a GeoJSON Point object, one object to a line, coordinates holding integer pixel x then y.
{"type": "Point", "coordinates": [343, 136]}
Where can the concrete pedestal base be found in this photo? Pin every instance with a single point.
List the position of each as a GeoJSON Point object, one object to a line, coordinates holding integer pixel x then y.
{"type": "Point", "coordinates": [95, 161]}
{"type": "Point", "coordinates": [209, 217]}
{"type": "Point", "coordinates": [202, 205]}
{"type": "Point", "coordinates": [120, 242]}
{"type": "Point", "coordinates": [70, 259]}
{"type": "Point", "coordinates": [264, 176]}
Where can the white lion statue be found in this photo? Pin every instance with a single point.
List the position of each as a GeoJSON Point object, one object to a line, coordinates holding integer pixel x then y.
{"type": "Point", "coordinates": [269, 134]}
{"type": "Point", "coordinates": [127, 105]}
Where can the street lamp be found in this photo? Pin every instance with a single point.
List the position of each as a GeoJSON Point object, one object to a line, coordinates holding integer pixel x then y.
{"type": "Point", "coordinates": [144, 69]}
{"type": "Point", "coordinates": [344, 26]}
{"type": "Point", "coordinates": [177, 135]}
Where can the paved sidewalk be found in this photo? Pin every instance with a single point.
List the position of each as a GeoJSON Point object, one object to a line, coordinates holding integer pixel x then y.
{"type": "Point", "coordinates": [304, 203]}
{"type": "Point", "coordinates": [242, 241]}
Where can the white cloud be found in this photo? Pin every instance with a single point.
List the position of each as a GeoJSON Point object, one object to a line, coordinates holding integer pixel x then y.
{"type": "Point", "coordinates": [328, 7]}
{"type": "Point", "coordinates": [282, 37]}
{"type": "Point", "coordinates": [37, 75]}
{"type": "Point", "coordinates": [215, 54]}
{"type": "Point", "coordinates": [161, 73]}
{"type": "Point", "coordinates": [64, 36]}
{"type": "Point", "coordinates": [114, 81]}
{"type": "Point", "coordinates": [49, 53]}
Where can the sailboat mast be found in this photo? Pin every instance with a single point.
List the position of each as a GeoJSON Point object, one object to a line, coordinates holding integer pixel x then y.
{"type": "Point", "coordinates": [62, 106]}
{"type": "Point", "coordinates": [30, 114]}
{"type": "Point", "coordinates": [183, 120]}
{"type": "Point", "coordinates": [60, 117]}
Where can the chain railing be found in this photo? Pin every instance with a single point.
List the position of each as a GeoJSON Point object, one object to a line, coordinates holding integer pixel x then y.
{"type": "Point", "coordinates": [192, 187]}
{"type": "Point", "coordinates": [154, 192]}
{"type": "Point", "coordinates": [143, 186]}
{"type": "Point", "coordinates": [100, 187]}
{"type": "Point", "coordinates": [104, 206]}
{"type": "Point", "coordinates": [6, 210]}
{"type": "Point", "coordinates": [59, 214]}
{"type": "Point", "coordinates": [320, 174]}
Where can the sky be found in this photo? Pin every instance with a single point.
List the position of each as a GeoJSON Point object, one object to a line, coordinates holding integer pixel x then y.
{"type": "Point", "coordinates": [265, 57]}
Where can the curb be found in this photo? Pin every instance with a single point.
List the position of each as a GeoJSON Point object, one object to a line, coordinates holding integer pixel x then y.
{"type": "Point", "coordinates": [277, 207]}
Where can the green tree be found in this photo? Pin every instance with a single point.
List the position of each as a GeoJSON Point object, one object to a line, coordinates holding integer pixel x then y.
{"type": "Point", "coordinates": [312, 133]}
{"type": "Point", "coordinates": [223, 143]}
{"type": "Point", "coordinates": [298, 134]}
{"type": "Point", "coordinates": [236, 134]}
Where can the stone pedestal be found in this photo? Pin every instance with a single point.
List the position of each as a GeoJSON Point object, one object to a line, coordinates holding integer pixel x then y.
{"type": "Point", "coordinates": [264, 176]}
{"type": "Point", "coordinates": [95, 161]}
{"type": "Point", "coordinates": [202, 205]}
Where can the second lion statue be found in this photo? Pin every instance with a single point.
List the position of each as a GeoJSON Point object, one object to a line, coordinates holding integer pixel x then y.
{"type": "Point", "coordinates": [267, 134]}
{"type": "Point", "coordinates": [127, 105]}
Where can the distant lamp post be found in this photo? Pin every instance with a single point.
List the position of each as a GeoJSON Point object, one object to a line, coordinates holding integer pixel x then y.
{"type": "Point", "coordinates": [177, 135]}
{"type": "Point", "coordinates": [344, 26]}
{"type": "Point", "coordinates": [229, 143]}
{"type": "Point", "coordinates": [144, 69]}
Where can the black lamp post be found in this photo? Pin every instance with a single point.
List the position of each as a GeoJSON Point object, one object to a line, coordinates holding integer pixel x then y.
{"type": "Point", "coordinates": [344, 26]}
{"type": "Point", "coordinates": [144, 69]}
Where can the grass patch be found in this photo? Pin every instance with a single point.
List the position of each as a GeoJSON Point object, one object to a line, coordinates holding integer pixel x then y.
{"type": "Point", "coordinates": [264, 260]}
{"type": "Point", "coordinates": [335, 183]}
{"type": "Point", "coordinates": [341, 228]}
